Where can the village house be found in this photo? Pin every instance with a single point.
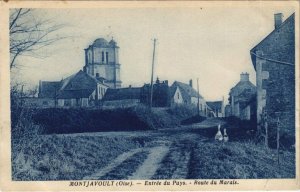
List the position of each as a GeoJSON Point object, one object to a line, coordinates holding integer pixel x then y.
{"type": "Point", "coordinates": [242, 99]}
{"type": "Point", "coordinates": [185, 94]}
{"type": "Point", "coordinates": [227, 110]}
{"type": "Point", "coordinates": [274, 61]}
{"type": "Point", "coordinates": [161, 94]}
{"type": "Point", "coordinates": [122, 97]}
{"type": "Point", "coordinates": [217, 108]}
{"type": "Point", "coordinates": [78, 90]}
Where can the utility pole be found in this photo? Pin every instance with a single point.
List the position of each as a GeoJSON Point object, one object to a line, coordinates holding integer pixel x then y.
{"type": "Point", "coordinates": [115, 66]}
{"type": "Point", "coordinates": [151, 85]}
{"type": "Point", "coordinates": [198, 105]}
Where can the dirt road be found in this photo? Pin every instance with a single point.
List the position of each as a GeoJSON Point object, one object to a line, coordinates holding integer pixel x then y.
{"type": "Point", "coordinates": [188, 152]}
{"type": "Point", "coordinates": [165, 156]}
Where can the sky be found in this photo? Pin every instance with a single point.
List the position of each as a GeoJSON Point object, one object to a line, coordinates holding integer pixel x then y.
{"type": "Point", "coordinates": [208, 43]}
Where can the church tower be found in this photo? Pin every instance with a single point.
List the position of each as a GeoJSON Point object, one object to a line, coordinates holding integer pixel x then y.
{"type": "Point", "coordinates": [102, 62]}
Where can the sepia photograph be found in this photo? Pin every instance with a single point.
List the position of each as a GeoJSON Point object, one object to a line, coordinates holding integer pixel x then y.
{"type": "Point", "coordinates": [185, 94]}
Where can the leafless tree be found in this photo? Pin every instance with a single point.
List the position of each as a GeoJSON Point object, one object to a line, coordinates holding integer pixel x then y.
{"type": "Point", "coordinates": [29, 33]}
{"type": "Point", "coordinates": [32, 92]}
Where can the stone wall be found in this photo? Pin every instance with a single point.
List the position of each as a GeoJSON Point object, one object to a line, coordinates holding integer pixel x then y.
{"type": "Point", "coordinates": [275, 67]}
{"type": "Point", "coordinates": [280, 95]}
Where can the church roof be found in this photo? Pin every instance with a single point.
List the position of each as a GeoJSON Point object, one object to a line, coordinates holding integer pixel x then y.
{"type": "Point", "coordinates": [122, 94]}
{"type": "Point", "coordinates": [113, 43]}
{"type": "Point", "coordinates": [100, 42]}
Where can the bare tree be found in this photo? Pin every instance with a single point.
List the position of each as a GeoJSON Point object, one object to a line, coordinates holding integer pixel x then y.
{"type": "Point", "coordinates": [29, 33]}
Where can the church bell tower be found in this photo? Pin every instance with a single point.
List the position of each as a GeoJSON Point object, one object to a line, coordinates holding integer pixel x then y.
{"type": "Point", "coordinates": [102, 62]}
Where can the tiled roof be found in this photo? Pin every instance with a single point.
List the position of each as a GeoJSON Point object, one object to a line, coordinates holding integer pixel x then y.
{"type": "Point", "coordinates": [122, 94]}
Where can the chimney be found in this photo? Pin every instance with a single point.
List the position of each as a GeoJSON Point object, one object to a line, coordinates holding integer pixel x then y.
{"type": "Point", "coordinates": [278, 19]}
{"type": "Point", "coordinates": [191, 83]}
{"type": "Point", "coordinates": [157, 80]}
{"type": "Point", "coordinates": [244, 76]}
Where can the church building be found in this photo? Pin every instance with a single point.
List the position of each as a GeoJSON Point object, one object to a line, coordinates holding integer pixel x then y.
{"type": "Point", "coordinates": [102, 61]}
{"type": "Point", "coordinates": [87, 87]}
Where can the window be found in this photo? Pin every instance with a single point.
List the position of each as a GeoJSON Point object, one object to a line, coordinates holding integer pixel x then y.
{"type": "Point", "coordinates": [102, 56]}
{"type": "Point", "coordinates": [106, 57]}
{"type": "Point", "coordinates": [178, 96]}
{"type": "Point", "coordinates": [90, 57]}
{"type": "Point", "coordinates": [97, 75]}
{"type": "Point", "coordinates": [45, 102]}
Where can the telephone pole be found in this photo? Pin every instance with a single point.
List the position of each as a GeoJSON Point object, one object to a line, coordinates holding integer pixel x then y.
{"type": "Point", "coordinates": [152, 73]}
{"type": "Point", "coordinates": [198, 105]}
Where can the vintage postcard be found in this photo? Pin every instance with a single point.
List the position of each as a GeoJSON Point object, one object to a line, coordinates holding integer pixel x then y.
{"type": "Point", "coordinates": [149, 96]}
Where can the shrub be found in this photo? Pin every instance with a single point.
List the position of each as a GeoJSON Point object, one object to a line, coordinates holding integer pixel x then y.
{"type": "Point", "coordinates": [58, 120]}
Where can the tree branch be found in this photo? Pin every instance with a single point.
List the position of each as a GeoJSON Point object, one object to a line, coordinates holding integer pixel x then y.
{"type": "Point", "coordinates": [29, 34]}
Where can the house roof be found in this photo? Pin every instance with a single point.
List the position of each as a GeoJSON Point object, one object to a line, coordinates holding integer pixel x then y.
{"type": "Point", "coordinates": [79, 85]}
{"type": "Point", "coordinates": [241, 86]}
{"type": "Point", "coordinates": [122, 94]}
{"type": "Point", "coordinates": [291, 18]}
{"type": "Point", "coordinates": [173, 90]}
{"type": "Point", "coordinates": [215, 105]}
{"type": "Point", "coordinates": [49, 89]}
{"type": "Point", "coordinates": [186, 90]}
